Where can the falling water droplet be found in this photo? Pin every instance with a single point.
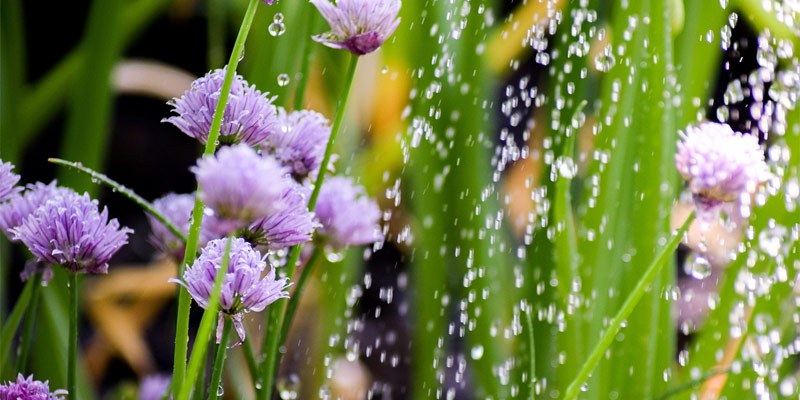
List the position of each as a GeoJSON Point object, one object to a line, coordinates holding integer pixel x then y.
{"type": "Point", "coordinates": [283, 79]}
{"type": "Point", "coordinates": [477, 352]}
{"type": "Point", "coordinates": [604, 61]}
{"type": "Point", "coordinates": [699, 267]}
{"type": "Point", "coordinates": [277, 28]}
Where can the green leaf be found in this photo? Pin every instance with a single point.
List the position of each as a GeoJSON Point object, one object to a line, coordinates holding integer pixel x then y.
{"type": "Point", "coordinates": [88, 120]}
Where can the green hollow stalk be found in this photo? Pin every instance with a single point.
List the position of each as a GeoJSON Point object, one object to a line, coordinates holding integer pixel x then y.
{"type": "Point", "coordinates": [277, 312]}
{"type": "Point", "coordinates": [72, 357]}
{"type": "Point", "coordinates": [532, 349]}
{"type": "Point", "coordinates": [337, 125]}
{"type": "Point", "coordinates": [305, 66]}
{"type": "Point", "coordinates": [250, 358]}
{"type": "Point", "coordinates": [14, 318]}
{"type": "Point", "coordinates": [219, 361]}
{"type": "Point", "coordinates": [294, 301]}
{"type": "Point", "coordinates": [30, 320]}
{"type": "Point", "coordinates": [121, 189]}
{"type": "Point", "coordinates": [615, 324]}
{"type": "Point", "coordinates": [184, 302]}
{"type": "Point", "coordinates": [199, 386]}
{"type": "Point", "coordinates": [196, 362]}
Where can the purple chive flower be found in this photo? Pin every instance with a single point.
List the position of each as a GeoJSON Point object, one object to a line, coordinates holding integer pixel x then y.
{"type": "Point", "coordinates": [154, 387]}
{"type": "Point", "coordinates": [289, 227]}
{"type": "Point", "coordinates": [240, 185]}
{"type": "Point", "coordinates": [243, 289]}
{"type": "Point", "coordinates": [359, 26]}
{"type": "Point", "coordinates": [70, 230]}
{"type": "Point", "coordinates": [720, 166]}
{"type": "Point", "coordinates": [8, 181]}
{"type": "Point", "coordinates": [249, 115]}
{"type": "Point", "coordinates": [347, 215]}
{"type": "Point", "coordinates": [300, 142]}
{"type": "Point", "coordinates": [177, 208]}
{"type": "Point", "coordinates": [29, 389]}
{"type": "Point", "coordinates": [17, 209]}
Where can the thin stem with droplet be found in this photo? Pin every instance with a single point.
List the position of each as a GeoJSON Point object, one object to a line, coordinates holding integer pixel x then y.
{"type": "Point", "coordinates": [219, 361]}
{"type": "Point", "coordinates": [627, 307]}
{"type": "Point", "coordinates": [277, 312]}
{"type": "Point", "coordinates": [117, 187]}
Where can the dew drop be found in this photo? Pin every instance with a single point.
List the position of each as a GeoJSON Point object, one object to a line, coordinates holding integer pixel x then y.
{"type": "Point", "coordinates": [283, 79]}
{"type": "Point", "coordinates": [699, 267]}
{"type": "Point", "coordinates": [277, 28]}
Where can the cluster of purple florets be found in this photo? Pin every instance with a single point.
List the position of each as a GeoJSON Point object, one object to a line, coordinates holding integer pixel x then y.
{"type": "Point", "coordinates": [260, 191]}
{"type": "Point", "coordinates": [257, 189]}
{"type": "Point", "coordinates": [720, 166]}
{"type": "Point", "coordinates": [29, 389]}
{"type": "Point", "coordinates": [58, 226]}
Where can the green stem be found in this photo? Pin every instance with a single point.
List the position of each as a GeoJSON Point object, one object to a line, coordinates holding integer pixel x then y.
{"type": "Point", "coordinates": [219, 361]}
{"type": "Point", "coordinates": [12, 323]}
{"type": "Point", "coordinates": [691, 384]}
{"type": "Point", "coordinates": [199, 386]}
{"type": "Point", "coordinates": [305, 66]}
{"type": "Point", "coordinates": [532, 347]}
{"type": "Point", "coordinates": [184, 302]}
{"type": "Point", "coordinates": [130, 194]}
{"type": "Point", "coordinates": [72, 363]}
{"type": "Point", "coordinates": [337, 126]}
{"type": "Point", "coordinates": [250, 358]}
{"type": "Point", "coordinates": [294, 301]}
{"type": "Point", "coordinates": [215, 11]}
{"type": "Point", "coordinates": [27, 329]}
{"type": "Point", "coordinates": [206, 325]}
{"type": "Point", "coordinates": [272, 340]}
{"type": "Point", "coordinates": [270, 350]}
{"type": "Point", "coordinates": [627, 307]}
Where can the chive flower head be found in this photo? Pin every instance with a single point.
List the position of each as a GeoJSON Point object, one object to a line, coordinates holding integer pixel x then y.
{"type": "Point", "coordinates": [70, 230]}
{"type": "Point", "coordinates": [347, 216]}
{"type": "Point", "coordinates": [358, 26]}
{"type": "Point", "coordinates": [29, 389]}
{"type": "Point", "coordinates": [243, 288]}
{"type": "Point", "coordinates": [249, 117]}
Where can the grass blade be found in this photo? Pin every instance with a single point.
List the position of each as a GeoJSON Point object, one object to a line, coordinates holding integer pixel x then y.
{"type": "Point", "coordinates": [88, 121]}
